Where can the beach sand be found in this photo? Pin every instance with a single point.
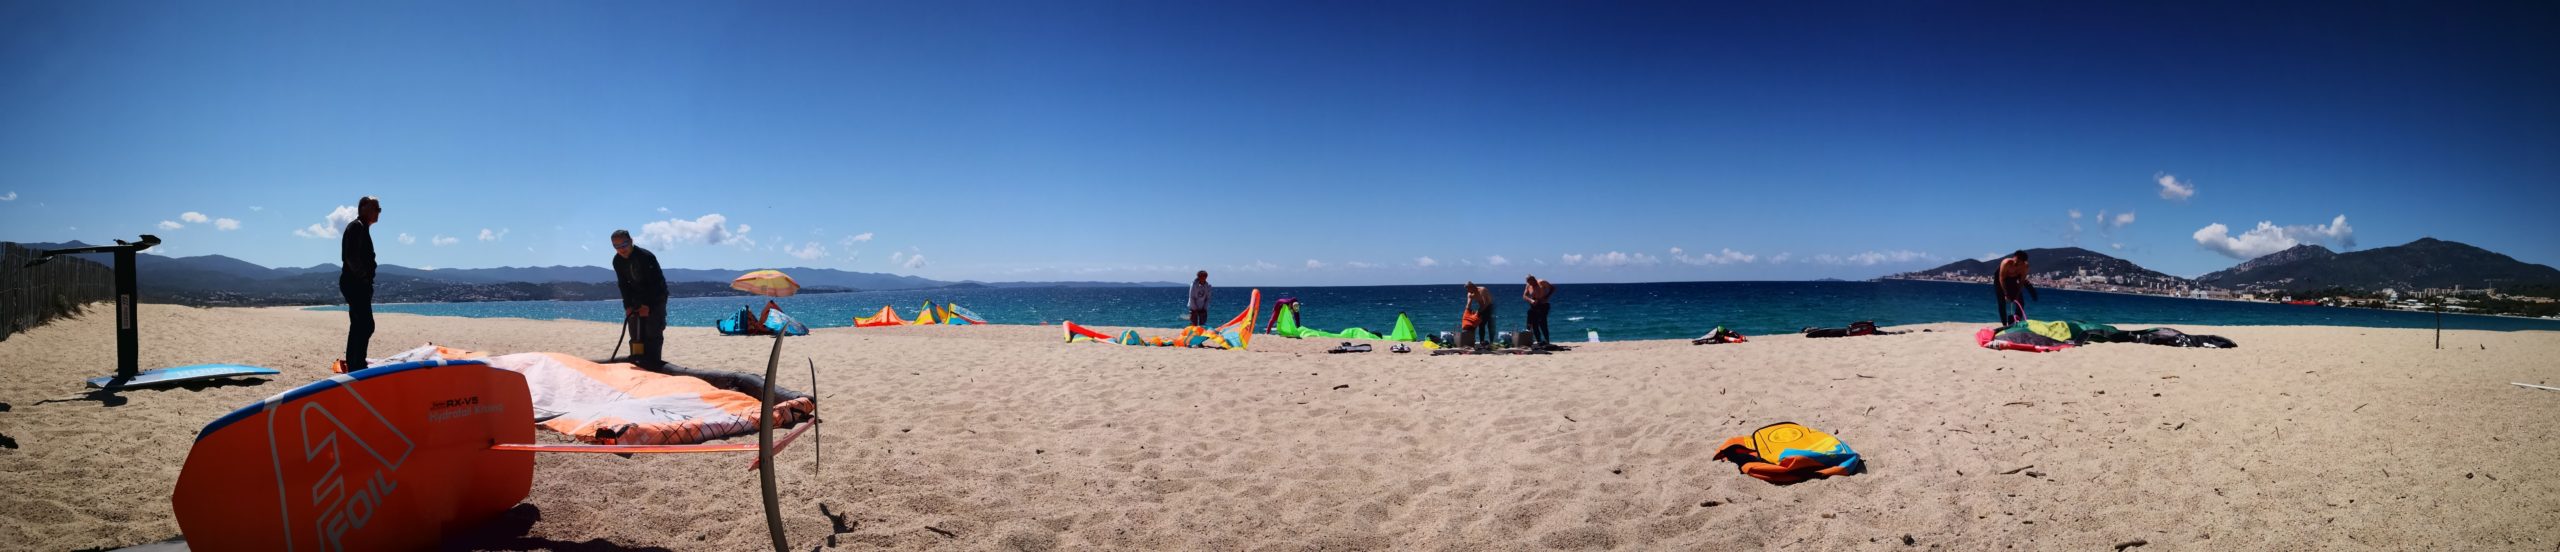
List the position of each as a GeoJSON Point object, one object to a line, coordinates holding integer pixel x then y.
{"type": "Point", "coordinates": [1000, 437]}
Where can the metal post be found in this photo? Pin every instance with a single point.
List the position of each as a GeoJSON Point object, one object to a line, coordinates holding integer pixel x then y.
{"type": "Point", "coordinates": [128, 339]}
{"type": "Point", "coordinates": [764, 450]}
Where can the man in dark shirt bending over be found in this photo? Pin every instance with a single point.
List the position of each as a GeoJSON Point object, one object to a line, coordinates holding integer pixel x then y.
{"type": "Point", "coordinates": [644, 299]}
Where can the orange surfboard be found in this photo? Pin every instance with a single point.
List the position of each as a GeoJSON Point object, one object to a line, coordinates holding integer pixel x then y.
{"type": "Point", "coordinates": [387, 458]}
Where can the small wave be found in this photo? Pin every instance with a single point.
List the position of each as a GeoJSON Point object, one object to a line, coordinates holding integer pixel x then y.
{"type": "Point", "coordinates": [1573, 319]}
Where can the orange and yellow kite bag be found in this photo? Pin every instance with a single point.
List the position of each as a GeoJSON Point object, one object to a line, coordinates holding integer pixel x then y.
{"type": "Point", "coordinates": [1785, 453]}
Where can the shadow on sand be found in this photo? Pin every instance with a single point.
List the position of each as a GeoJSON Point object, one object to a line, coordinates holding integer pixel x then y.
{"type": "Point", "coordinates": [508, 532]}
{"type": "Point", "coordinates": [114, 397]}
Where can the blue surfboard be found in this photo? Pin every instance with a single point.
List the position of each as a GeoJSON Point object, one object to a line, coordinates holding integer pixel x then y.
{"type": "Point", "coordinates": [183, 374]}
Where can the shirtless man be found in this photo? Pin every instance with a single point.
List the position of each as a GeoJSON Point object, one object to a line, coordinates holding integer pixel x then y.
{"type": "Point", "coordinates": [2007, 282]}
{"type": "Point", "coordinates": [1537, 294]}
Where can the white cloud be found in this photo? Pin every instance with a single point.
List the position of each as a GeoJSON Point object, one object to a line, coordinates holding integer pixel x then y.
{"type": "Point", "coordinates": [171, 225]}
{"type": "Point", "coordinates": [192, 217]}
{"type": "Point", "coordinates": [406, 239]}
{"type": "Point", "coordinates": [256, 208]}
{"type": "Point", "coordinates": [1314, 264]}
{"type": "Point", "coordinates": [1612, 259]}
{"type": "Point", "coordinates": [2107, 225]}
{"type": "Point", "coordinates": [913, 262]}
{"type": "Point", "coordinates": [856, 238]}
{"type": "Point", "coordinates": [1726, 256]}
{"type": "Point", "coordinates": [337, 220]}
{"type": "Point", "coordinates": [1497, 260]}
{"type": "Point", "coordinates": [1541, 262]}
{"type": "Point", "coordinates": [225, 224]}
{"type": "Point", "coordinates": [13, 196]}
{"type": "Point", "coordinates": [808, 252]}
{"type": "Point", "coordinates": [663, 210]}
{"type": "Point", "coordinates": [1987, 257]}
{"type": "Point", "coordinates": [711, 229]}
{"type": "Point", "coordinates": [488, 235]}
{"type": "Point", "coordinates": [1425, 262]}
{"type": "Point", "coordinates": [2173, 189]}
{"type": "Point", "coordinates": [1358, 264]}
{"type": "Point", "coordinates": [441, 241]}
{"type": "Point", "coordinates": [1781, 257]}
{"type": "Point", "coordinates": [2269, 238]}
{"type": "Point", "coordinates": [1260, 265]}
{"type": "Point", "coordinates": [1872, 258]}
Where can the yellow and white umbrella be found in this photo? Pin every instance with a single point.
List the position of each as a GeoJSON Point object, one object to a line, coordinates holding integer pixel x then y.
{"type": "Point", "coordinates": [770, 283]}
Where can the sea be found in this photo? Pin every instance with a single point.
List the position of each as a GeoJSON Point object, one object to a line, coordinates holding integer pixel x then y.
{"type": "Point", "coordinates": [1611, 311]}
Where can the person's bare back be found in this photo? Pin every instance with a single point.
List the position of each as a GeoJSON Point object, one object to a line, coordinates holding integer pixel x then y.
{"type": "Point", "coordinates": [1538, 291]}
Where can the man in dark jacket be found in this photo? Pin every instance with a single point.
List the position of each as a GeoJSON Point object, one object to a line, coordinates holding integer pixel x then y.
{"type": "Point", "coordinates": [644, 298]}
{"type": "Point", "coordinates": [355, 280]}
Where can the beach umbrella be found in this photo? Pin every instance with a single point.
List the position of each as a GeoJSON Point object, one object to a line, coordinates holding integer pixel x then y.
{"type": "Point", "coordinates": [771, 283]}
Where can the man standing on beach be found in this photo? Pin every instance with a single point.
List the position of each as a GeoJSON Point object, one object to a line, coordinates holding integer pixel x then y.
{"type": "Point", "coordinates": [2007, 282]}
{"type": "Point", "coordinates": [355, 280]}
{"type": "Point", "coordinates": [1200, 300]}
{"type": "Point", "coordinates": [644, 299]}
{"type": "Point", "coordinates": [1537, 294]}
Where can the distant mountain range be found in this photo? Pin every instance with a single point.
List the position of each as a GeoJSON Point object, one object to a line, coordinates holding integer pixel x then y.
{"type": "Point", "coordinates": [2428, 263]}
{"type": "Point", "coordinates": [220, 280]}
{"type": "Point", "coordinates": [2057, 264]}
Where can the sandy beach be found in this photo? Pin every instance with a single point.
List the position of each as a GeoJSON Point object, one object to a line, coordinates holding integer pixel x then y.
{"type": "Point", "coordinates": [1001, 437]}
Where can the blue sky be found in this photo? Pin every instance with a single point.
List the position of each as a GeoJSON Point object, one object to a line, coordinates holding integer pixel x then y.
{"type": "Point", "coordinates": [1284, 142]}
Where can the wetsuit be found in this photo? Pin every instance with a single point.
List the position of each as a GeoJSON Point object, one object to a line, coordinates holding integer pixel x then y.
{"type": "Point", "coordinates": [644, 285]}
{"type": "Point", "coordinates": [355, 284]}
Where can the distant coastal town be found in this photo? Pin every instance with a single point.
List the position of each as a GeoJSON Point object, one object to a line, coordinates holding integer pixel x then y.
{"type": "Point", "coordinates": [2450, 277]}
{"type": "Point", "coordinates": [2486, 301]}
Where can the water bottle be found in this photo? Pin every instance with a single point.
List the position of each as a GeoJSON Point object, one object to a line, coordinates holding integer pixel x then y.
{"type": "Point", "coordinates": [1595, 334]}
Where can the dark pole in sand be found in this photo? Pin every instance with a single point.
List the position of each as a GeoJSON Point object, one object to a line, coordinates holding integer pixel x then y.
{"type": "Point", "coordinates": [128, 339]}
{"type": "Point", "coordinates": [819, 448]}
{"type": "Point", "coordinates": [2439, 323]}
{"type": "Point", "coordinates": [764, 450]}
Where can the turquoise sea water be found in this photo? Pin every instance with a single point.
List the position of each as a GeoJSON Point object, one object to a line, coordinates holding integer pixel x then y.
{"type": "Point", "coordinates": [1617, 311]}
